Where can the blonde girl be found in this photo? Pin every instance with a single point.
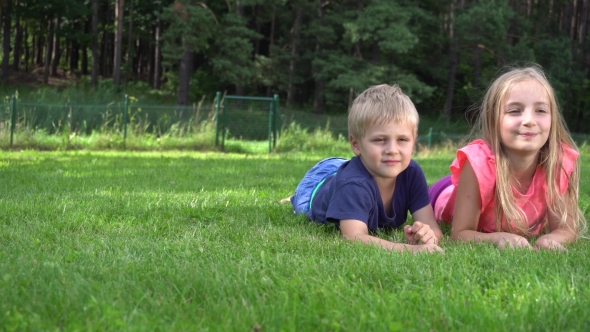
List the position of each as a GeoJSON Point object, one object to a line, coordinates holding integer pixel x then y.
{"type": "Point", "coordinates": [521, 179]}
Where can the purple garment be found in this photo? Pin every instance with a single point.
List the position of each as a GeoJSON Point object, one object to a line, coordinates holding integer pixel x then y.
{"type": "Point", "coordinates": [437, 188]}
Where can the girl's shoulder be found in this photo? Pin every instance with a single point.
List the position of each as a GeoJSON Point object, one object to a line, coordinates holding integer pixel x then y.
{"type": "Point", "coordinates": [570, 155]}
{"type": "Point", "coordinates": [477, 149]}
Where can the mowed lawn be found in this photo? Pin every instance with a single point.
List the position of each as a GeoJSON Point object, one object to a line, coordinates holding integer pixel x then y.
{"type": "Point", "coordinates": [183, 241]}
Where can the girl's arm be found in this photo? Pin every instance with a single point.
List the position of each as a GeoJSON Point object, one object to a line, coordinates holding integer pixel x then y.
{"type": "Point", "coordinates": [467, 212]}
{"type": "Point", "coordinates": [558, 234]}
{"type": "Point", "coordinates": [353, 230]}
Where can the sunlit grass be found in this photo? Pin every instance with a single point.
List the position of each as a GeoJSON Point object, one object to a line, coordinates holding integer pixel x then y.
{"type": "Point", "coordinates": [185, 240]}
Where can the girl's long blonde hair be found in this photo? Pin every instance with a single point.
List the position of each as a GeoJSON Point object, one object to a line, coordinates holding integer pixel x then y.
{"type": "Point", "coordinates": [550, 157]}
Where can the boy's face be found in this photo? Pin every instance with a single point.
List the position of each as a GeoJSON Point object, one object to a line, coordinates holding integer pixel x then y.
{"type": "Point", "coordinates": [385, 149]}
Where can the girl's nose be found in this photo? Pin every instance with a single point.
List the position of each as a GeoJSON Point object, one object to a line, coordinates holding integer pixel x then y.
{"type": "Point", "coordinates": [527, 117]}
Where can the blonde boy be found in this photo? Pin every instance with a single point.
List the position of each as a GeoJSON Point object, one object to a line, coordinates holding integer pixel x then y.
{"type": "Point", "coordinates": [375, 189]}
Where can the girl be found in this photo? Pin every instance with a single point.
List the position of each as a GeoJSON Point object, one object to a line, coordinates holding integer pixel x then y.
{"type": "Point", "coordinates": [521, 178]}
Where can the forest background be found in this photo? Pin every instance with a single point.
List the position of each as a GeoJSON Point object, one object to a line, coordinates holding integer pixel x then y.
{"type": "Point", "coordinates": [315, 54]}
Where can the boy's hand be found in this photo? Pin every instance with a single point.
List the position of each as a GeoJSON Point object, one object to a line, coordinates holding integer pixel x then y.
{"type": "Point", "coordinates": [419, 233]}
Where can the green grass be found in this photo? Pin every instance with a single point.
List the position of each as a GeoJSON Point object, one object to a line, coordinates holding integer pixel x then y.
{"type": "Point", "coordinates": [197, 241]}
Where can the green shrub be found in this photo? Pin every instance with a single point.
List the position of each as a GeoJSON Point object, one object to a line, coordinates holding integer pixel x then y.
{"type": "Point", "coordinates": [296, 138]}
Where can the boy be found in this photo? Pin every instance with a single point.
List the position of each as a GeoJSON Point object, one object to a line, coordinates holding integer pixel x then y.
{"type": "Point", "coordinates": [376, 188]}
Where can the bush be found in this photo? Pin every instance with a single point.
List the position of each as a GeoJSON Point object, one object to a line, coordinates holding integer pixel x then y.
{"type": "Point", "coordinates": [296, 138]}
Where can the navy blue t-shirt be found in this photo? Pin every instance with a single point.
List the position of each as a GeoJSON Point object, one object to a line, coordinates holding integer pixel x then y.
{"type": "Point", "coordinates": [353, 194]}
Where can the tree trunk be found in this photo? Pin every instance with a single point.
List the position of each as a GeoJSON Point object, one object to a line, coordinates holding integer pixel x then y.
{"type": "Point", "coordinates": [105, 68]}
{"type": "Point", "coordinates": [184, 76]}
{"type": "Point", "coordinates": [294, 54]}
{"type": "Point", "coordinates": [158, 56]}
{"type": "Point", "coordinates": [151, 49]}
{"type": "Point", "coordinates": [74, 56]}
{"type": "Point", "coordinates": [84, 64]}
{"type": "Point", "coordinates": [94, 75]}
{"type": "Point", "coordinates": [453, 61]}
{"type": "Point", "coordinates": [40, 44]}
{"type": "Point", "coordinates": [18, 40]}
{"type": "Point", "coordinates": [129, 53]}
{"type": "Point", "coordinates": [573, 24]}
{"type": "Point", "coordinates": [270, 46]}
{"type": "Point", "coordinates": [119, 9]}
{"type": "Point", "coordinates": [27, 49]}
{"type": "Point", "coordinates": [48, 50]}
{"type": "Point", "coordinates": [7, 21]}
{"type": "Point", "coordinates": [582, 29]}
{"type": "Point", "coordinates": [74, 50]}
{"type": "Point", "coordinates": [319, 98]}
{"type": "Point", "coordinates": [240, 89]}
{"type": "Point", "coordinates": [258, 28]}
{"type": "Point", "coordinates": [476, 65]}
{"type": "Point", "coordinates": [56, 48]}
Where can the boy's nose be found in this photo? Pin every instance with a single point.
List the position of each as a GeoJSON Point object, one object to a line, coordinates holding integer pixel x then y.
{"type": "Point", "coordinates": [391, 147]}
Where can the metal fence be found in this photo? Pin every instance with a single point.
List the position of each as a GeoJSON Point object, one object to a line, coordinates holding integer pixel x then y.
{"type": "Point", "coordinates": [232, 117]}
{"type": "Point", "coordinates": [246, 118]}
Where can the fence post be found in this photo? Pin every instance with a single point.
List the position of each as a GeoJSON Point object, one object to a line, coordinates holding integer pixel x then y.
{"type": "Point", "coordinates": [217, 103]}
{"type": "Point", "coordinates": [274, 121]}
{"type": "Point", "coordinates": [12, 118]}
{"type": "Point", "coordinates": [429, 138]}
{"type": "Point", "coordinates": [125, 119]}
{"type": "Point", "coordinates": [270, 112]}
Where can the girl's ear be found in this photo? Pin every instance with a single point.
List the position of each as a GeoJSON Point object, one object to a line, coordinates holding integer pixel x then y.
{"type": "Point", "coordinates": [354, 145]}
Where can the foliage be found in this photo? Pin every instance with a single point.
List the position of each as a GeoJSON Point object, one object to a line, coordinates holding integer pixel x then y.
{"type": "Point", "coordinates": [315, 52]}
{"type": "Point", "coordinates": [190, 28]}
{"type": "Point", "coordinates": [296, 138]}
{"type": "Point", "coordinates": [232, 60]}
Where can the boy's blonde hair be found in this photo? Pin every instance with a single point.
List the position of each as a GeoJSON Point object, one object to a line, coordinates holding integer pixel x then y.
{"type": "Point", "coordinates": [381, 104]}
{"type": "Point", "coordinates": [550, 155]}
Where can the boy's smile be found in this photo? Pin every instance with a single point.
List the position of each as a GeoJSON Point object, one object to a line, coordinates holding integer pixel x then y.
{"type": "Point", "coordinates": [386, 149]}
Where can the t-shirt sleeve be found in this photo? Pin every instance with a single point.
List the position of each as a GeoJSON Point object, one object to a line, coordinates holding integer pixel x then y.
{"type": "Point", "coordinates": [568, 164]}
{"type": "Point", "coordinates": [418, 189]}
{"type": "Point", "coordinates": [351, 201]}
{"type": "Point", "coordinates": [482, 161]}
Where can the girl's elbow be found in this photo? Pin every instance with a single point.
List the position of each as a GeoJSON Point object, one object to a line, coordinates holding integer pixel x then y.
{"type": "Point", "coordinates": [455, 234]}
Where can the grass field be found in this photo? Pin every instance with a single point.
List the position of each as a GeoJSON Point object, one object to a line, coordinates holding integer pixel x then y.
{"type": "Point", "coordinates": [176, 241]}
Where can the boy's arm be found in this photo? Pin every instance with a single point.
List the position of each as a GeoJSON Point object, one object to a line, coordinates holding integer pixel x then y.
{"type": "Point", "coordinates": [421, 234]}
{"type": "Point", "coordinates": [467, 212]}
{"type": "Point", "coordinates": [353, 230]}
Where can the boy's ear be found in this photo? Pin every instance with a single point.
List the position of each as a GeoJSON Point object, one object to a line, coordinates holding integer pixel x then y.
{"type": "Point", "coordinates": [354, 145]}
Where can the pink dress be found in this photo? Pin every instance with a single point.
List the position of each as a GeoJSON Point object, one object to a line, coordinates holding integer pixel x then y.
{"type": "Point", "coordinates": [482, 160]}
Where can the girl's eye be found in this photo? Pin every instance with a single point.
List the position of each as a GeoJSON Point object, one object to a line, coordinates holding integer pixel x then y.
{"type": "Point", "coordinates": [542, 111]}
{"type": "Point", "coordinates": [403, 139]}
{"type": "Point", "coordinates": [513, 111]}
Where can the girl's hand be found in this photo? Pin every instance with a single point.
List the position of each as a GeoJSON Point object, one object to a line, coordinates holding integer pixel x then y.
{"type": "Point", "coordinates": [508, 240]}
{"type": "Point", "coordinates": [546, 243]}
{"type": "Point", "coordinates": [419, 233]}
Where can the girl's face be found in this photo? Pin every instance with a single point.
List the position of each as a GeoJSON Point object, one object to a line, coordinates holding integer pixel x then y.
{"type": "Point", "coordinates": [525, 118]}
